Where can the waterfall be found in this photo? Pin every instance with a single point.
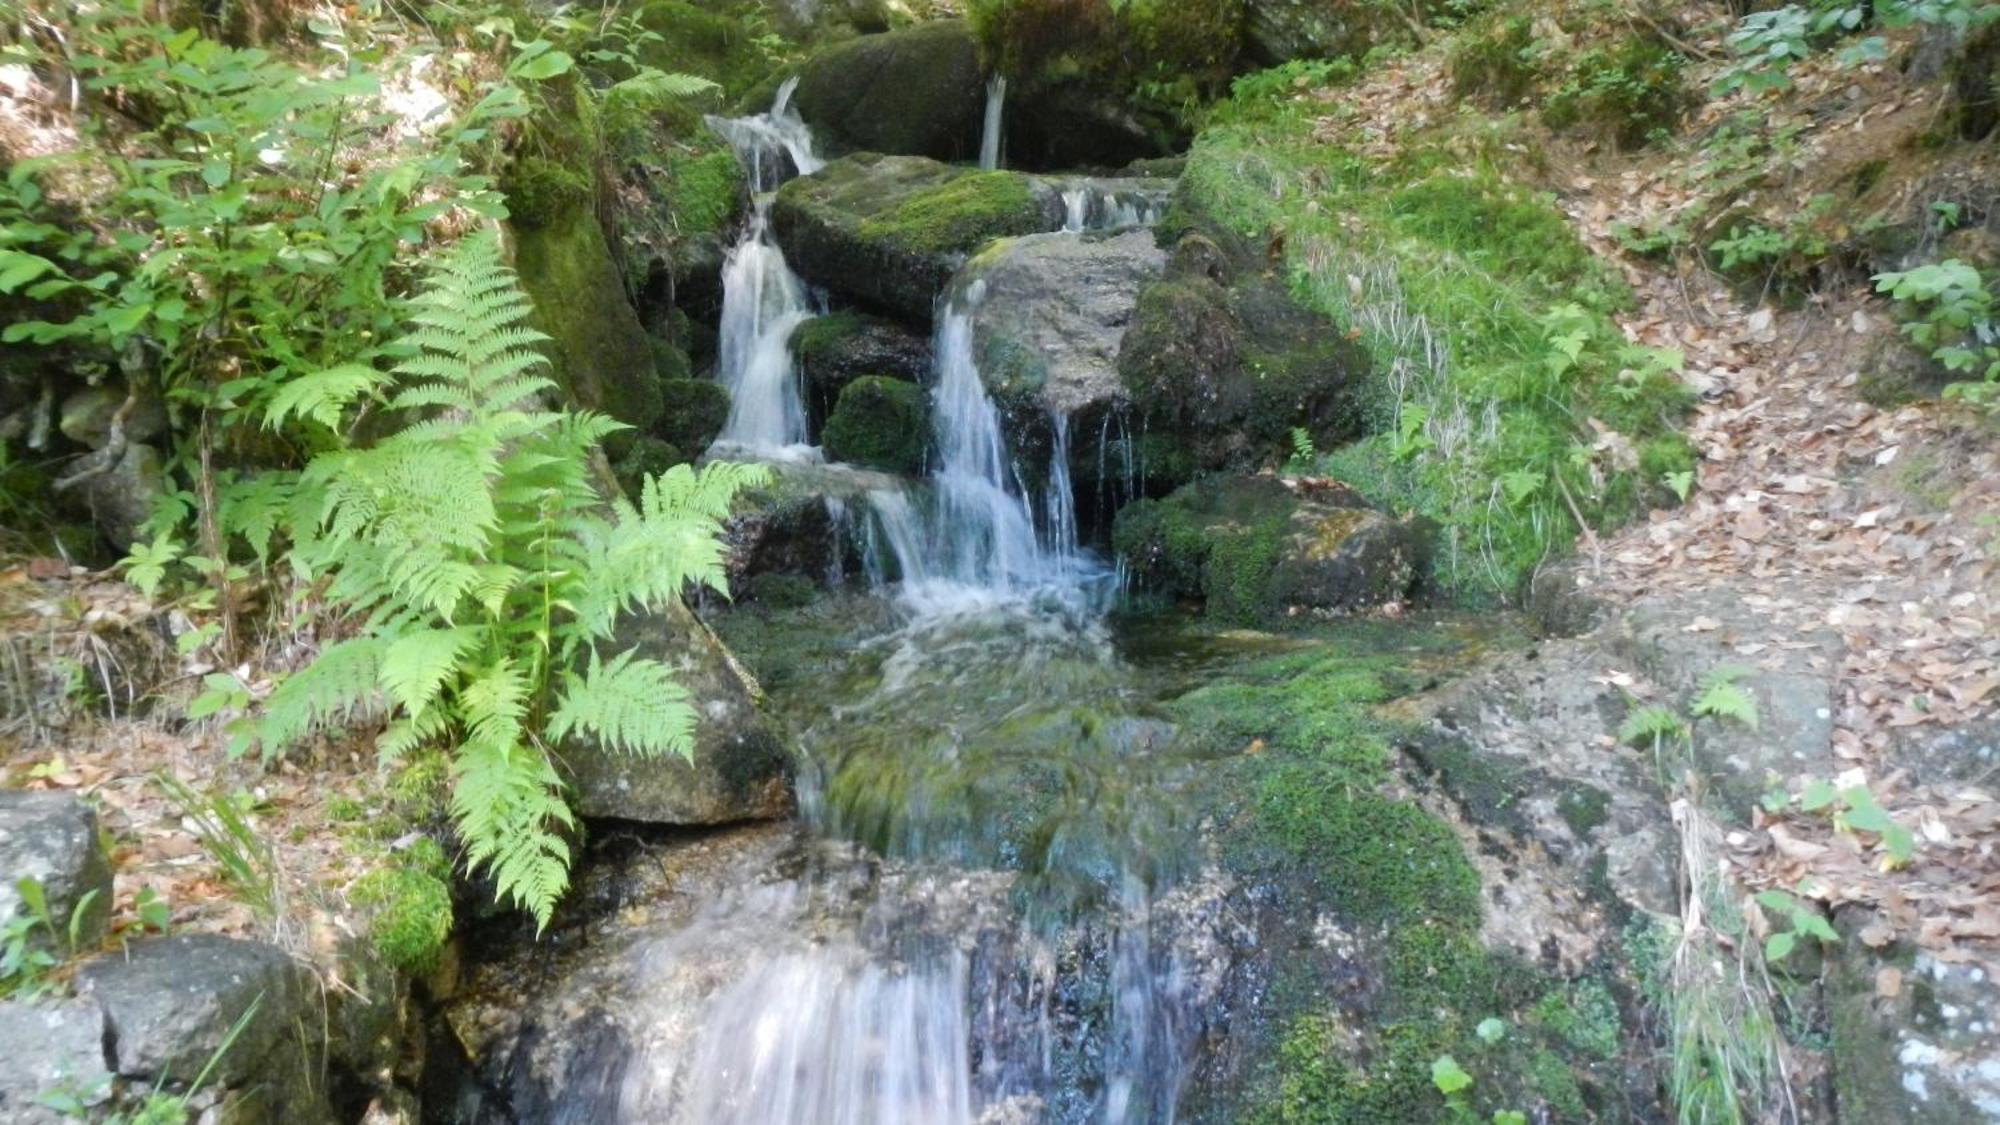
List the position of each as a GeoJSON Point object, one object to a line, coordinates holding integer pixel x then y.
{"type": "Point", "coordinates": [1088, 206]}
{"type": "Point", "coordinates": [983, 538]}
{"type": "Point", "coordinates": [762, 299]}
{"type": "Point", "coordinates": [989, 135]}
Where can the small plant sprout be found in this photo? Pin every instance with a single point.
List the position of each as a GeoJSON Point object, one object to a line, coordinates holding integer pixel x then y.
{"type": "Point", "coordinates": [1804, 918]}
{"type": "Point", "coordinates": [1451, 1080]}
{"type": "Point", "coordinates": [1490, 1030]}
{"type": "Point", "coordinates": [1721, 697]}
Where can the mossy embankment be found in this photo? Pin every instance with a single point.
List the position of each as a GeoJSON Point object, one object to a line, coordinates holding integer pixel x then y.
{"type": "Point", "coordinates": [1500, 400]}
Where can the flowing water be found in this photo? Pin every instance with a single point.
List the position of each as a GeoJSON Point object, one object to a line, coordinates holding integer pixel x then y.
{"type": "Point", "coordinates": [989, 134]}
{"type": "Point", "coordinates": [763, 301]}
{"type": "Point", "coordinates": [989, 912]}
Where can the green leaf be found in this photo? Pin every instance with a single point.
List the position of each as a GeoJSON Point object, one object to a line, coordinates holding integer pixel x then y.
{"type": "Point", "coordinates": [1448, 1077]}
{"type": "Point", "coordinates": [1779, 945]}
{"type": "Point", "coordinates": [18, 269]}
{"type": "Point", "coordinates": [1490, 1030]}
{"type": "Point", "coordinates": [1509, 1117]}
{"type": "Point", "coordinates": [542, 64]}
{"type": "Point", "coordinates": [1816, 795]}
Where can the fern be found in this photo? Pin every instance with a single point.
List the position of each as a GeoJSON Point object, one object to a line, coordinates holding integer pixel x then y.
{"type": "Point", "coordinates": [1721, 697]}
{"type": "Point", "coordinates": [1650, 725]}
{"type": "Point", "coordinates": [472, 550]}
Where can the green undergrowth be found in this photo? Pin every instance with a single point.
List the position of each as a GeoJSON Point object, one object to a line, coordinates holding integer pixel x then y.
{"type": "Point", "coordinates": [1309, 802]}
{"type": "Point", "coordinates": [1503, 401]}
{"type": "Point", "coordinates": [409, 902]}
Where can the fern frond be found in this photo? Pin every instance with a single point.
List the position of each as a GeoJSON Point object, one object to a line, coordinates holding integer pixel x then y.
{"type": "Point", "coordinates": [1649, 724]}
{"type": "Point", "coordinates": [630, 705]}
{"type": "Point", "coordinates": [405, 735]}
{"type": "Point", "coordinates": [1721, 697]}
{"type": "Point", "coordinates": [336, 687]}
{"type": "Point", "coordinates": [253, 507]}
{"type": "Point", "coordinates": [417, 665]}
{"type": "Point", "coordinates": [322, 395]}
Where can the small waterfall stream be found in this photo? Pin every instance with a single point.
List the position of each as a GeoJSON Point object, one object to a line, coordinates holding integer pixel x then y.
{"type": "Point", "coordinates": [901, 960]}
{"type": "Point", "coordinates": [989, 134]}
{"type": "Point", "coordinates": [763, 301]}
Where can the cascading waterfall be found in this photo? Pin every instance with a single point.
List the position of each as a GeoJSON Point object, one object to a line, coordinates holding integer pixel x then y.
{"type": "Point", "coordinates": [762, 299]}
{"type": "Point", "coordinates": [989, 134]}
{"type": "Point", "coordinates": [1092, 207]}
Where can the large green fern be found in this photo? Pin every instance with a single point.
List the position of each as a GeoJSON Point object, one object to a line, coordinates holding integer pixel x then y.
{"type": "Point", "coordinates": [486, 573]}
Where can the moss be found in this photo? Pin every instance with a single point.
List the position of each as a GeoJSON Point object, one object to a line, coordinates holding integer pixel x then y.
{"type": "Point", "coordinates": [644, 458]}
{"type": "Point", "coordinates": [1492, 270]}
{"type": "Point", "coordinates": [880, 422]}
{"type": "Point", "coordinates": [818, 339]}
{"type": "Point", "coordinates": [1218, 540]}
{"type": "Point", "coordinates": [693, 412]}
{"type": "Point", "coordinates": [411, 915]}
{"type": "Point", "coordinates": [602, 357]}
{"type": "Point", "coordinates": [1584, 808]}
{"type": "Point", "coordinates": [715, 41]}
{"type": "Point", "coordinates": [780, 591]}
{"type": "Point", "coordinates": [705, 188]}
{"type": "Point", "coordinates": [1583, 1015]}
{"type": "Point", "coordinates": [1556, 1084]}
{"type": "Point", "coordinates": [960, 214]}
{"type": "Point", "coordinates": [540, 191]}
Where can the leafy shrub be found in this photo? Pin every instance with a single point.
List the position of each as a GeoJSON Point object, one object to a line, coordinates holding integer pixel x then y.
{"type": "Point", "coordinates": [487, 573]}
{"type": "Point", "coordinates": [1499, 65]}
{"type": "Point", "coordinates": [1634, 91]}
{"type": "Point", "coordinates": [1951, 314]}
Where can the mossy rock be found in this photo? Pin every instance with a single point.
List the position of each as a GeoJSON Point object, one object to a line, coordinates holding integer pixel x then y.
{"type": "Point", "coordinates": [644, 458]}
{"type": "Point", "coordinates": [915, 92]}
{"type": "Point", "coordinates": [834, 350]}
{"type": "Point", "coordinates": [411, 915]}
{"type": "Point", "coordinates": [542, 191]}
{"type": "Point", "coordinates": [889, 231]}
{"type": "Point", "coordinates": [1223, 358]}
{"type": "Point", "coordinates": [1261, 549]}
{"type": "Point", "coordinates": [601, 355]}
{"type": "Point", "coordinates": [881, 423]}
{"type": "Point", "coordinates": [693, 413]}
{"type": "Point", "coordinates": [699, 39]}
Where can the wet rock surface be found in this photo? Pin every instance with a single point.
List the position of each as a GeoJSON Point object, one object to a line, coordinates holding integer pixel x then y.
{"type": "Point", "coordinates": [740, 765]}
{"type": "Point", "coordinates": [52, 838]}
{"type": "Point", "coordinates": [1052, 314]}
{"type": "Point", "coordinates": [803, 521]}
{"type": "Point", "coordinates": [834, 350]}
{"type": "Point", "coordinates": [915, 92]}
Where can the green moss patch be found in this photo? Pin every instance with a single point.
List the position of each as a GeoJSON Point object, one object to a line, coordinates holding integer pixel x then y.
{"type": "Point", "coordinates": [961, 214]}
{"type": "Point", "coordinates": [881, 423]}
{"type": "Point", "coordinates": [409, 904]}
{"type": "Point", "coordinates": [1487, 321]}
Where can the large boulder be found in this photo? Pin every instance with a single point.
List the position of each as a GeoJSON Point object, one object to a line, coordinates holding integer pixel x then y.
{"type": "Point", "coordinates": [914, 92]}
{"type": "Point", "coordinates": [1262, 548]}
{"type": "Point", "coordinates": [52, 838]}
{"type": "Point", "coordinates": [601, 355]}
{"type": "Point", "coordinates": [740, 768]}
{"type": "Point", "coordinates": [1222, 364]}
{"type": "Point", "coordinates": [880, 423]}
{"type": "Point", "coordinates": [889, 231]}
{"type": "Point", "coordinates": [834, 350]}
{"type": "Point", "coordinates": [172, 1004]}
{"type": "Point", "coordinates": [1052, 315]}
{"type": "Point", "coordinates": [801, 521]}
{"type": "Point", "coordinates": [1282, 30]}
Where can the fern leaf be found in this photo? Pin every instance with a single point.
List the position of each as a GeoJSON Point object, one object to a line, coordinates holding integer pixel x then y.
{"type": "Point", "coordinates": [1721, 697]}
{"type": "Point", "coordinates": [322, 395]}
{"type": "Point", "coordinates": [337, 686]}
{"type": "Point", "coordinates": [405, 735]}
{"type": "Point", "coordinates": [630, 705]}
{"type": "Point", "coordinates": [1646, 725]}
{"type": "Point", "coordinates": [417, 665]}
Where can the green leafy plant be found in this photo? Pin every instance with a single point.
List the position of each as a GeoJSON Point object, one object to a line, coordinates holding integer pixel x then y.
{"type": "Point", "coordinates": [1805, 920]}
{"type": "Point", "coordinates": [1304, 453]}
{"type": "Point", "coordinates": [1651, 725]}
{"type": "Point", "coordinates": [1451, 1080]}
{"type": "Point", "coordinates": [1721, 697]}
{"type": "Point", "coordinates": [1766, 43]}
{"type": "Point", "coordinates": [1951, 314]}
{"type": "Point", "coordinates": [34, 942]}
{"type": "Point", "coordinates": [221, 823]}
{"type": "Point", "coordinates": [1853, 808]}
{"type": "Point", "coordinates": [485, 573]}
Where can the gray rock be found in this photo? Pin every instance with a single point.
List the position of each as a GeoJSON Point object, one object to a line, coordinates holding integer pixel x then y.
{"type": "Point", "coordinates": [52, 839]}
{"type": "Point", "coordinates": [1052, 314]}
{"type": "Point", "coordinates": [172, 1002]}
{"type": "Point", "coordinates": [1282, 30]}
{"type": "Point", "coordinates": [888, 232]}
{"type": "Point", "coordinates": [86, 416]}
{"type": "Point", "coordinates": [121, 498]}
{"type": "Point", "coordinates": [834, 350]}
{"type": "Point", "coordinates": [740, 769]}
{"type": "Point", "coordinates": [51, 1049]}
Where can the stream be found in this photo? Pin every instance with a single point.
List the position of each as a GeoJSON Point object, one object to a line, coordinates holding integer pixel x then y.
{"type": "Point", "coordinates": [994, 907]}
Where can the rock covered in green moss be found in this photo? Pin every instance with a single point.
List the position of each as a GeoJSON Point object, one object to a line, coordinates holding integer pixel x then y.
{"type": "Point", "coordinates": [410, 915]}
{"type": "Point", "coordinates": [1278, 31]}
{"type": "Point", "coordinates": [1222, 358]}
{"type": "Point", "coordinates": [915, 92]}
{"type": "Point", "coordinates": [693, 413]}
{"type": "Point", "coordinates": [834, 350]}
{"type": "Point", "coordinates": [889, 231]}
{"type": "Point", "coordinates": [880, 423]}
{"type": "Point", "coordinates": [1261, 548]}
{"type": "Point", "coordinates": [797, 521]}
{"type": "Point", "coordinates": [600, 354]}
